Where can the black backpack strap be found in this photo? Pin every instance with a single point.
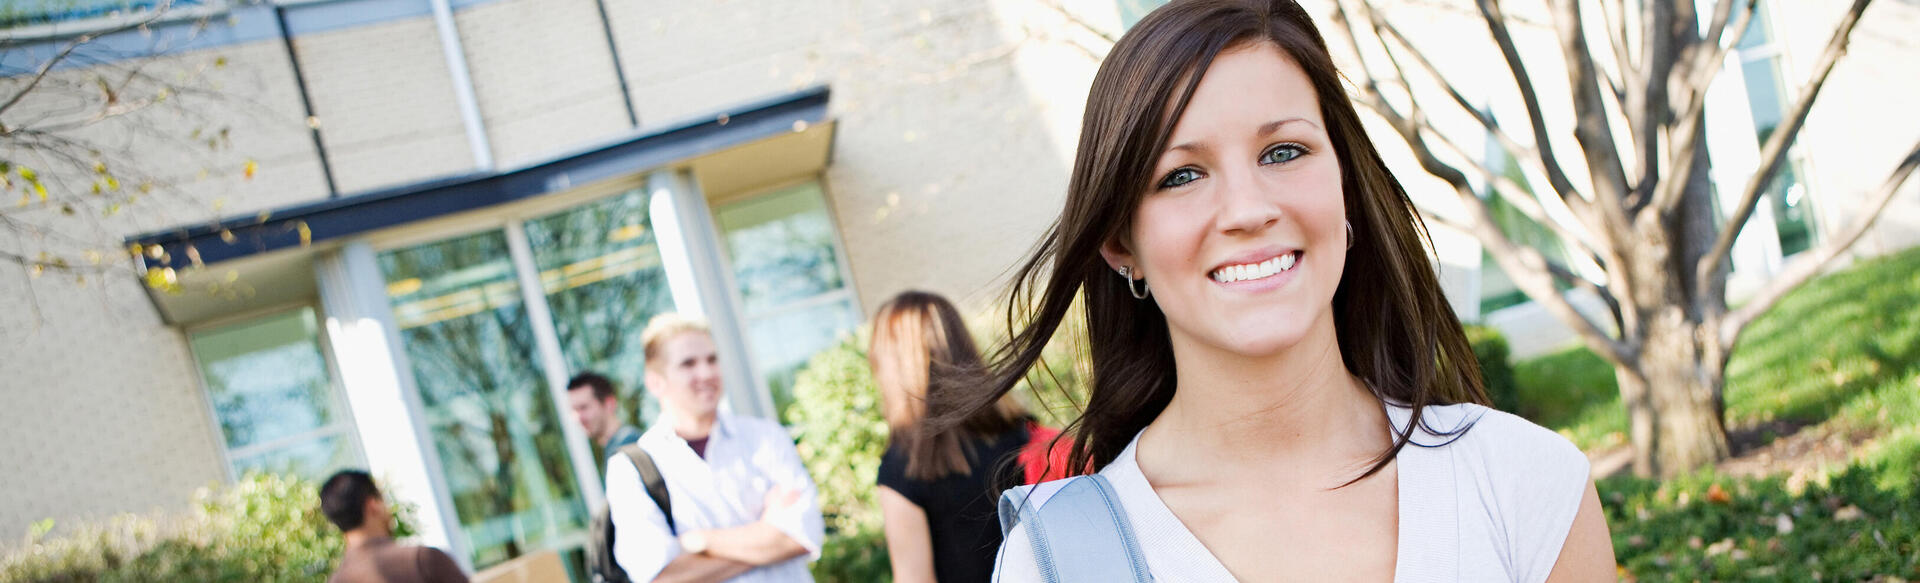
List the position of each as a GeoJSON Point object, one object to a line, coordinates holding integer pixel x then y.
{"type": "Point", "coordinates": [655, 483]}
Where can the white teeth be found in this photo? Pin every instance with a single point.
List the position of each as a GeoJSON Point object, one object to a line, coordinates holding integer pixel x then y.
{"type": "Point", "coordinates": [1252, 271]}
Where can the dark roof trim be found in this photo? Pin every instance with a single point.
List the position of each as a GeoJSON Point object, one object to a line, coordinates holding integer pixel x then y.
{"type": "Point", "coordinates": [361, 213]}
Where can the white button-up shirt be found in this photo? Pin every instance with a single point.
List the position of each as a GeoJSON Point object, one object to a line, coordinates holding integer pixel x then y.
{"type": "Point", "coordinates": [746, 458]}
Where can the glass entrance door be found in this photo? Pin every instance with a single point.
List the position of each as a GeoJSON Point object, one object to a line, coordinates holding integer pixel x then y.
{"type": "Point", "coordinates": [487, 406]}
{"type": "Point", "coordinates": [600, 269]}
{"type": "Point", "coordinates": [483, 384]}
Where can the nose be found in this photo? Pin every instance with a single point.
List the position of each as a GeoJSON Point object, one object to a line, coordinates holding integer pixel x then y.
{"type": "Point", "coordinates": [707, 371]}
{"type": "Point", "coordinates": [1245, 205]}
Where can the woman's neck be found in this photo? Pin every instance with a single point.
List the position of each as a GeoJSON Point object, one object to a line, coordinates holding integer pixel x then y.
{"type": "Point", "coordinates": [1300, 406]}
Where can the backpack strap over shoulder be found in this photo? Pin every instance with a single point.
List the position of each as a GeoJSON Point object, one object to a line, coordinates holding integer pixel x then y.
{"type": "Point", "coordinates": [1078, 529]}
{"type": "Point", "coordinates": [651, 478]}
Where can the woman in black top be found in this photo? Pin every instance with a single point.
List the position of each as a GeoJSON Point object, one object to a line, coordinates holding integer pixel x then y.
{"type": "Point", "coordinates": [938, 490]}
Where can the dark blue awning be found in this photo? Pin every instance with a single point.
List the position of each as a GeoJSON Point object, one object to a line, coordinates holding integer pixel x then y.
{"type": "Point", "coordinates": [389, 207]}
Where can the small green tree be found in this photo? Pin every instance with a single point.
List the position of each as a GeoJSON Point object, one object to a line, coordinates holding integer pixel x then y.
{"type": "Point", "coordinates": [836, 417]}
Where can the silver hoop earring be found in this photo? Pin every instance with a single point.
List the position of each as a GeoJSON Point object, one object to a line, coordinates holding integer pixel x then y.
{"type": "Point", "coordinates": [1140, 293]}
{"type": "Point", "coordinates": [1349, 234]}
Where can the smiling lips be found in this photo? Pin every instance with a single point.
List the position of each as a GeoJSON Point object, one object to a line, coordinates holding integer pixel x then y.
{"type": "Point", "coordinates": [1253, 271]}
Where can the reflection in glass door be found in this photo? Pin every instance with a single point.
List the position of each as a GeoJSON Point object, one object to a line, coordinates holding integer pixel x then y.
{"type": "Point", "coordinates": [600, 268]}
{"type": "Point", "coordinates": [492, 420]}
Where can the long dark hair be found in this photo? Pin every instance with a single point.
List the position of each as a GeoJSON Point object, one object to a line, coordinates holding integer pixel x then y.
{"type": "Point", "coordinates": [1396, 331]}
{"type": "Point", "coordinates": [919, 339]}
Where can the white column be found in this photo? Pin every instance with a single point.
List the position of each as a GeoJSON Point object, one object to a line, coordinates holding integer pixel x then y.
{"type": "Point", "coordinates": [462, 85]}
{"type": "Point", "coordinates": [380, 394]}
{"type": "Point", "coordinates": [696, 274]}
{"type": "Point", "coordinates": [546, 339]}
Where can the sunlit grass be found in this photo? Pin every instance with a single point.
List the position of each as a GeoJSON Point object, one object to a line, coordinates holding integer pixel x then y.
{"type": "Point", "coordinates": [1840, 355]}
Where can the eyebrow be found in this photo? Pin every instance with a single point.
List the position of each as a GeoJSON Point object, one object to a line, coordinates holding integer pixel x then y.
{"type": "Point", "coordinates": [1266, 129]}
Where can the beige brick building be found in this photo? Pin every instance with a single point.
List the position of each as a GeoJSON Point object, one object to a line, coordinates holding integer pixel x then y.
{"type": "Point", "coordinates": [496, 194]}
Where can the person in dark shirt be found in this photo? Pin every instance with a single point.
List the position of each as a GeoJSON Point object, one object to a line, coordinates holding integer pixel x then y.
{"type": "Point", "coordinates": [938, 491]}
{"type": "Point", "coordinates": [352, 502]}
{"type": "Point", "coordinates": [596, 405]}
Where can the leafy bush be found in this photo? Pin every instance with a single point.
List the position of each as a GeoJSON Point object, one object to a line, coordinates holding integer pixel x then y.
{"type": "Point", "coordinates": [1491, 349]}
{"type": "Point", "coordinates": [263, 528]}
{"type": "Point", "coordinates": [836, 416]}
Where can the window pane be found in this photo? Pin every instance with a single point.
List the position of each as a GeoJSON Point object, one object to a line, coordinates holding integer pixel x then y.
{"type": "Point", "coordinates": [781, 246]}
{"type": "Point", "coordinates": [1763, 95]}
{"type": "Point", "coordinates": [783, 343]}
{"type": "Point", "coordinates": [488, 409]}
{"type": "Point", "coordinates": [266, 378]}
{"type": "Point", "coordinates": [600, 267]}
{"type": "Point", "coordinates": [314, 459]}
{"type": "Point", "coordinates": [1758, 30]}
{"type": "Point", "coordinates": [1792, 218]}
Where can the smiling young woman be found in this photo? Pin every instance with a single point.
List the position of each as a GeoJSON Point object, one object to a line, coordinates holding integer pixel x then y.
{"type": "Point", "coordinates": [1268, 338]}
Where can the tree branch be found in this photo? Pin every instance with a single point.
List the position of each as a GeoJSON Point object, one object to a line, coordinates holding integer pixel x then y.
{"type": "Point", "coordinates": [41, 74]}
{"type": "Point", "coordinates": [1684, 135]}
{"type": "Point", "coordinates": [1614, 14]}
{"type": "Point", "coordinates": [1776, 150]}
{"type": "Point", "coordinates": [1497, 26]}
{"type": "Point", "coordinates": [1812, 262]}
{"type": "Point", "coordinates": [1529, 270]}
{"type": "Point", "coordinates": [1591, 128]}
{"type": "Point", "coordinates": [1385, 30]}
{"type": "Point", "coordinates": [1081, 23]}
{"type": "Point", "coordinates": [1525, 266]}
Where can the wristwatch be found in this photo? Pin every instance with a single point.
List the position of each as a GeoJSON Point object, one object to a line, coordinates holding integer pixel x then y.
{"type": "Point", "coordinates": [694, 542]}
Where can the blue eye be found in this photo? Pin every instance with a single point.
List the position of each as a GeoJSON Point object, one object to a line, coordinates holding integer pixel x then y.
{"type": "Point", "coordinates": [1179, 177]}
{"type": "Point", "coordinates": [1282, 153]}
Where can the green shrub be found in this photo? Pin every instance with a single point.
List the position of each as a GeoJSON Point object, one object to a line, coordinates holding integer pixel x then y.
{"type": "Point", "coordinates": [263, 528]}
{"type": "Point", "coordinates": [1490, 348]}
{"type": "Point", "coordinates": [836, 418]}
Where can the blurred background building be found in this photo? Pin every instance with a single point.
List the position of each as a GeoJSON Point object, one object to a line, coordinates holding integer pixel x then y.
{"type": "Point", "coordinates": [448, 207]}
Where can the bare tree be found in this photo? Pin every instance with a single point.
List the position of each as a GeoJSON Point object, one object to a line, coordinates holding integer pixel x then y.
{"type": "Point", "coordinates": [98, 138]}
{"type": "Point", "coordinates": [1647, 219]}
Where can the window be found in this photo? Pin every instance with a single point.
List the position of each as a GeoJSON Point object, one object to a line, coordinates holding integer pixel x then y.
{"type": "Point", "coordinates": [1768, 97]}
{"type": "Point", "coordinates": [791, 281]}
{"type": "Point", "coordinates": [273, 396]}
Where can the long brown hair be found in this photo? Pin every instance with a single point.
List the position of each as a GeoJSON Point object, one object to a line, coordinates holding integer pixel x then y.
{"type": "Point", "coordinates": [1396, 331]}
{"type": "Point", "coordinates": [919, 337]}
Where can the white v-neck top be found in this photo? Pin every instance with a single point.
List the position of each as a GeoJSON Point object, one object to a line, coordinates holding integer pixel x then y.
{"type": "Point", "coordinates": [1493, 503]}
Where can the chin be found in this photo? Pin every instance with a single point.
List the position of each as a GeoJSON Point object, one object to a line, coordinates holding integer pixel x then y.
{"type": "Point", "coordinates": [1268, 331]}
{"type": "Point", "coordinates": [1263, 342]}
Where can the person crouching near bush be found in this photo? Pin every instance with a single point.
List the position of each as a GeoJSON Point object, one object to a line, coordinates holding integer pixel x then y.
{"type": "Point", "coordinates": [938, 489]}
{"type": "Point", "coordinates": [352, 502]}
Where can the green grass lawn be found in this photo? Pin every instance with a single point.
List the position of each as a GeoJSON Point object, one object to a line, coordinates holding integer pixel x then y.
{"type": "Point", "coordinates": [1840, 356]}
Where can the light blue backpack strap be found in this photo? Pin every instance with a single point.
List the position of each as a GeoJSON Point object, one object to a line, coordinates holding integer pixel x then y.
{"type": "Point", "coordinates": [1079, 532]}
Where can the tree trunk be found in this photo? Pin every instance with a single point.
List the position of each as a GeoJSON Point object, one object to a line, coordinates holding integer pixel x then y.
{"type": "Point", "coordinates": [1672, 401]}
